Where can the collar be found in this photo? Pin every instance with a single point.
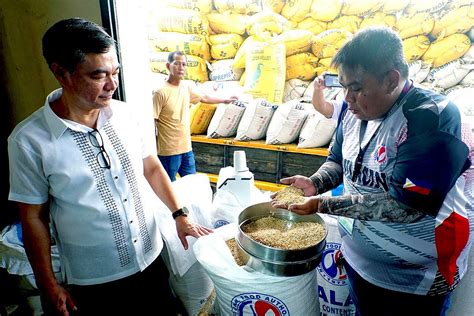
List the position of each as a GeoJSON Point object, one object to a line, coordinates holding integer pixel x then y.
{"type": "Point", "coordinates": [59, 125]}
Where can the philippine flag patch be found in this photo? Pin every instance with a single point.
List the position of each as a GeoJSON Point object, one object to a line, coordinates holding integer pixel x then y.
{"type": "Point", "coordinates": [417, 186]}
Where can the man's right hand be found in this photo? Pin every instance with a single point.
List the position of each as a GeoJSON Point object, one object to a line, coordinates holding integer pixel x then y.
{"type": "Point", "coordinates": [301, 182]}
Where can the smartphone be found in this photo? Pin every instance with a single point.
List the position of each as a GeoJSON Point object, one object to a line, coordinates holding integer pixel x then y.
{"type": "Point", "coordinates": [332, 80]}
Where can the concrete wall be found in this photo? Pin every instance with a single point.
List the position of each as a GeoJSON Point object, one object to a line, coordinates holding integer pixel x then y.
{"type": "Point", "coordinates": [22, 25]}
{"type": "Point", "coordinates": [25, 79]}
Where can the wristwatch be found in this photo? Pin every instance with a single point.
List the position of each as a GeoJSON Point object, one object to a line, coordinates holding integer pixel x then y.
{"type": "Point", "coordinates": [181, 212]}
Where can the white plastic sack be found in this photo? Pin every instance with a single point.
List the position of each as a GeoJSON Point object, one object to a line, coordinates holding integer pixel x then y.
{"type": "Point", "coordinates": [462, 97]}
{"type": "Point", "coordinates": [194, 192]}
{"type": "Point", "coordinates": [286, 123]}
{"type": "Point", "coordinates": [222, 70]}
{"type": "Point", "coordinates": [255, 121]}
{"type": "Point", "coordinates": [13, 256]}
{"type": "Point", "coordinates": [468, 57]}
{"type": "Point", "coordinates": [468, 81]}
{"type": "Point", "coordinates": [418, 71]}
{"type": "Point", "coordinates": [193, 288]}
{"type": "Point", "coordinates": [241, 291]}
{"type": "Point", "coordinates": [226, 119]}
{"type": "Point", "coordinates": [294, 89]}
{"type": "Point", "coordinates": [221, 89]}
{"type": "Point", "coordinates": [449, 74]}
{"type": "Point", "coordinates": [317, 131]}
{"type": "Point", "coordinates": [333, 286]}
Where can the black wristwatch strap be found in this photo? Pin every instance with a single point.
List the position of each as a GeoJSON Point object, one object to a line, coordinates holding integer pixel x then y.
{"type": "Point", "coordinates": [181, 212]}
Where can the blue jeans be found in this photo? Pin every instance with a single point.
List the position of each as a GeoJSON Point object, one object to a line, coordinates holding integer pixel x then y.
{"type": "Point", "coordinates": [182, 164]}
{"type": "Point", "coordinates": [373, 300]}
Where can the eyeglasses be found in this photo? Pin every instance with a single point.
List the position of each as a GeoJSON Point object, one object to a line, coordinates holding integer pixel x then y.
{"type": "Point", "coordinates": [96, 140]}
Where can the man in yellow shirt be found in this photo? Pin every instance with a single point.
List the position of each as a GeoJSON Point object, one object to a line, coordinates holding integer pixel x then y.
{"type": "Point", "coordinates": [171, 105]}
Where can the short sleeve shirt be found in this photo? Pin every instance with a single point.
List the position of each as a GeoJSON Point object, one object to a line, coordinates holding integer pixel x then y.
{"type": "Point", "coordinates": [415, 154]}
{"type": "Point", "coordinates": [104, 220]}
{"type": "Point", "coordinates": [171, 108]}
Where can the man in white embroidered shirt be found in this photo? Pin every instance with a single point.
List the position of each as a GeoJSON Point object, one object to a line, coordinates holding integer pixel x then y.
{"type": "Point", "coordinates": [81, 166]}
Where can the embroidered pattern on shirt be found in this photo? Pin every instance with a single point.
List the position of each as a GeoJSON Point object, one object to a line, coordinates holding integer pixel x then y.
{"type": "Point", "coordinates": [132, 181]}
{"type": "Point", "coordinates": [89, 154]}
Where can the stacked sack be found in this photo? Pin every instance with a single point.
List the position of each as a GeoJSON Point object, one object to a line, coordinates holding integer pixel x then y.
{"type": "Point", "coordinates": [271, 50]}
{"type": "Point", "coordinates": [181, 25]}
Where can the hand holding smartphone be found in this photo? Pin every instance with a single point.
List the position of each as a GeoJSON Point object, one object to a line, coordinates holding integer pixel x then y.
{"type": "Point", "coordinates": [332, 80]}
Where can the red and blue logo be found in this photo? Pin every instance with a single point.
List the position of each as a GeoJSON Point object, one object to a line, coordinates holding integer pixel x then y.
{"type": "Point", "coordinates": [329, 269]}
{"type": "Point", "coordinates": [381, 155]}
{"type": "Point", "coordinates": [258, 304]}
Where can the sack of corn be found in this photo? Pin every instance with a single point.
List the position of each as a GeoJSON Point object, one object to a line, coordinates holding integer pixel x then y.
{"type": "Point", "coordinates": [227, 23]}
{"type": "Point", "coordinates": [296, 10]}
{"type": "Point", "coordinates": [327, 43]}
{"type": "Point", "coordinates": [447, 49]}
{"type": "Point", "coordinates": [201, 6]}
{"type": "Point", "coordinates": [459, 20]}
{"type": "Point", "coordinates": [196, 68]}
{"type": "Point", "coordinates": [349, 23]}
{"type": "Point", "coordinates": [414, 47]}
{"type": "Point", "coordinates": [238, 6]}
{"type": "Point", "coordinates": [301, 66]}
{"type": "Point", "coordinates": [312, 25]}
{"type": "Point", "coordinates": [296, 41]}
{"type": "Point", "coordinates": [361, 7]}
{"type": "Point", "coordinates": [182, 21]}
{"type": "Point", "coordinates": [265, 67]}
{"type": "Point", "coordinates": [225, 46]}
{"type": "Point", "coordinates": [418, 24]}
{"type": "Point", "coordinates": [326, 11]}
{"type": "Point", "coordinates": [430, 7]}
{"type": "Point", "coordinates": [392, 7]}
{"type": "Point", "coordinates": [190, 44]}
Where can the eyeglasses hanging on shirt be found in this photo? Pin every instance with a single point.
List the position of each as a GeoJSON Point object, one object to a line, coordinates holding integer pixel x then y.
{"type": "Point", "coordinates": [102, 157]}
{"type": "Point", "coordinates": [363, 126]}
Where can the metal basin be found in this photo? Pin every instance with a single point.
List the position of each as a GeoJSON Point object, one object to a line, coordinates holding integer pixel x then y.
{"type": "Point", "coordinates": [275, 261]}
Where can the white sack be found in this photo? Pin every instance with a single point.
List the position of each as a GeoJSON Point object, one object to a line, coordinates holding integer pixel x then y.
{"type": "Point", "coordinates": [463, 98]}
{"type": "Point", "coordinates": [468, 81]}
{"type": "Point", "coordinates": [294, 89]}
{"type": "Point", "coordinates": [333, 285]}
{"type": "Point", "coordinates": [194, 192]}
{"type": "Point", "coordinates": [222, 70]}
{"type": "Point", "coordinates": [193, 288]}
{"type": "Point", "coordinates": [255, 121]}
{"type": "Point", "coordinates": [226, 119]}
{"type": "Point", "coordinates": [13, 256]}
{"type": "Point", "coordinates": [449, 74]}
{"type": "Point", "coordinates": [221, 89]}
{"type": "Point", "coordinates": [240, 291]}
{"type": "Point", "coordinates": [286, 123]}
{"type": "Point", "coordinates": [317, 131]}
{"type": "Point", "coordinates": [418, 70]}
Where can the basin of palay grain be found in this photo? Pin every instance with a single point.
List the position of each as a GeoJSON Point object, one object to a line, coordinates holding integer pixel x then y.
{"type": "Point", "coordinates": [284, 234]}
{"type": "Point", "coordinates": [282, 255]}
